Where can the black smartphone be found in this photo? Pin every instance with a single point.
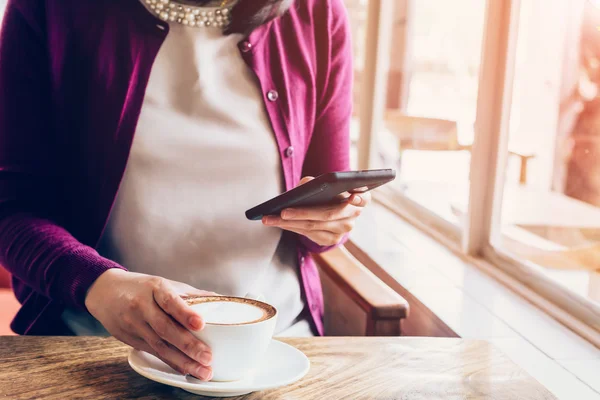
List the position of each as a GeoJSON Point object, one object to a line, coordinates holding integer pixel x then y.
{"type": "Point", "coordinates": [324, 189]}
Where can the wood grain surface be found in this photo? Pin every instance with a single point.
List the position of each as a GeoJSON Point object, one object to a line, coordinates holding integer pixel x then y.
{"type": "Point", "coordinates": [342, 368]}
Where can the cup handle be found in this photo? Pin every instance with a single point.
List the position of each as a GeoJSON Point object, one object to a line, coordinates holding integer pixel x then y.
{"type": "Point", "coordinates": [255, 296]}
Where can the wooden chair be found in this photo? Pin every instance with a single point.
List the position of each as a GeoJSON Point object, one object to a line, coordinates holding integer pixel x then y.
{"type": "Point", "coordinates": [422, 133]}
{"type": "Point", "coordinates": [357, 303]}
{"type": "Point", "coordinates": [436, 134]}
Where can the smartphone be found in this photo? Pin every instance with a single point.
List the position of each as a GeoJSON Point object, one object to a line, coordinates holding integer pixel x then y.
{"type": "Point", "coordinates": [323, 190]}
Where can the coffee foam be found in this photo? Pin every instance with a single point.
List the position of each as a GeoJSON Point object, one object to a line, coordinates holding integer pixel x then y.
{"type": "Point", "coordinates": [230, 310]}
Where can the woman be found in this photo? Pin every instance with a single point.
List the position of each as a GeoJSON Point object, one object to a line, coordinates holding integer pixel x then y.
{"type": "Point", "coordinates": [133, 135]}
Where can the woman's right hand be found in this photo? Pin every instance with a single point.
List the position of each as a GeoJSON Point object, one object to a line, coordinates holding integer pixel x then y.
{"type": "Point", "coordinates": [148, 313]}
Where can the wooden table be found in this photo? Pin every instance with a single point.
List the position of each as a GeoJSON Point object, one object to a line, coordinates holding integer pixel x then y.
{"type": "Point", "coordinates": [425, 133]}
{"type": "Point", "coordinates": [544, 227]}
{"type": "Point", "coordinates": [342, 368]}
{"type": "Point", "coordinates": [547, 228]}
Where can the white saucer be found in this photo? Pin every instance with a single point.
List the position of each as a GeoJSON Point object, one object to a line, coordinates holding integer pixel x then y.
{"type": "Point", "coordinates": [283, 365]}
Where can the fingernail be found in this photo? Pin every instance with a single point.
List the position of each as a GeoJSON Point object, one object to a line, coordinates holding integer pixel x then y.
{"type": "Point", "coordinates": [357, 200]}
{"type": "Point", "coordinates": [288, 214]}
{"type": "Point", "coordinates": [195, 322]}
{"type": "Point", "coordinates": [205, 358]}
{"type": "Point", "coordinates": [205, 374]}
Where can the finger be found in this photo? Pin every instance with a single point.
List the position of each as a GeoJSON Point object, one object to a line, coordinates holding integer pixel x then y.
{"type": "Point", "coordinates": [176, 307]}
{"type": "Point", "coordinates": [320, 213]}
{"type": "Point", "coordinates": [342, 197]}
{"type": "Point", "coordinates": [305, 179]}
{"type": "Point", "coordinates": [338, 226]}
{"type": "Point", "coordinates": [360, 200]}
{"type": "Point", "coordinates": [179, 337]}
{"type": "Point", "coordinates": [139, 343]}
{"type": "Point", "coordinates": [172, 356]}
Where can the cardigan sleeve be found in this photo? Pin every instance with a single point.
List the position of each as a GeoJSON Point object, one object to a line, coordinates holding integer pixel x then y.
{"type": "Point", "coordinates": [33, 246]}
{"type": "Point", "coordinates": [329, 149]}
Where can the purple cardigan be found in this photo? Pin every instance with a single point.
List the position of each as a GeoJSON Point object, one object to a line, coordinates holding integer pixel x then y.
{"type": "Point", "coordinates": [73, 75]}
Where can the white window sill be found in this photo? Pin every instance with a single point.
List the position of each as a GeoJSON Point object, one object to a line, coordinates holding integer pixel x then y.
{"type": "Point", "coordinates": [474, 305]}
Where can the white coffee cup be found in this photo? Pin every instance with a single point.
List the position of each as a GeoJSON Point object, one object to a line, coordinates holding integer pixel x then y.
{"type": "Point", "coordinates": [238, 330]}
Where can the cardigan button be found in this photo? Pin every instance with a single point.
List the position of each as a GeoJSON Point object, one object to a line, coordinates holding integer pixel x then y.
{"type": "Point", "coordinates": [246, 46]}
{"type": "Point", "coordinates": [289, 152]}
{"type": "Point", "coordinates": [272, 95]}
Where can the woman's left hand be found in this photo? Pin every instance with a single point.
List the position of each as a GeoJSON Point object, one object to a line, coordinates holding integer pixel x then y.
{"type": "Point", "coordinates": [324, 225]}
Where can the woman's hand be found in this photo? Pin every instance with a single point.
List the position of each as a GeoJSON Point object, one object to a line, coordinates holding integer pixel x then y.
{"type": "Point", "coordinates": [325, 225]}
{"type": "Point", "coordinates": [147, 313]}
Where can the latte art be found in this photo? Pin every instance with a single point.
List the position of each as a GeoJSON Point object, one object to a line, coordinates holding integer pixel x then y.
{"type": "Point", "coordinates": [227, 312]}
{"type": "Point", "coordinates": [231, 310]}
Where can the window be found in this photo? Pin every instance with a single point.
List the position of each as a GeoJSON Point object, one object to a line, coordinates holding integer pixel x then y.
{"type": "Point", "coordinates": [490, 112]}
{"type": "Point", "coordinates": [431, 68]}
{"type": "Point", "coordinates": [551, 219]}
{"type": "Point", "coordinates": [431, 133]}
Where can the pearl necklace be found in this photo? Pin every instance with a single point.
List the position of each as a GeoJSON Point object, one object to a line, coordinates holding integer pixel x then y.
{"type": "Point", "coordinates": [190, 16]}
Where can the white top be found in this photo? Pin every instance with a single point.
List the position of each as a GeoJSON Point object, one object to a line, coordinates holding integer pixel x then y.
{"type": "Point", "coordinates": [203, 153]}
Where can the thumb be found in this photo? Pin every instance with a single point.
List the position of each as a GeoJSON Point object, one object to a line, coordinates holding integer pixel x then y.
{"type": "Point", "coordinates": [305, 179]}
